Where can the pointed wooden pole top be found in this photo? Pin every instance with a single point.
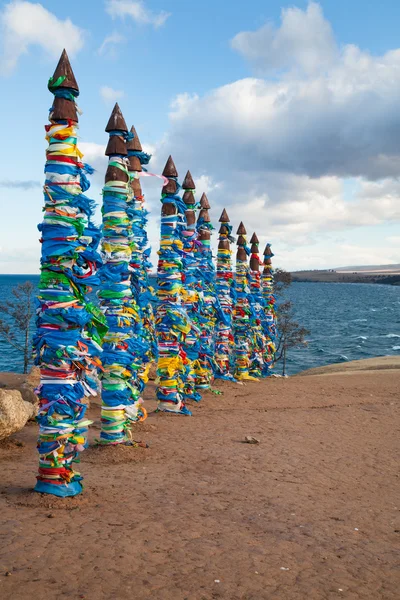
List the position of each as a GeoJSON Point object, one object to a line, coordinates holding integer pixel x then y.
{"type": "Point", "coordinates": [224, 217]}
{"type": "Point", "coordinates": [64, 69]}
{"type": "Point", "coordinates": [170, 168]}
{"type": "Point", "coordinates": [254, 239]}
{"type": "Point", "coordinates": [116, 122]}
{"type": "Point", "coordinates": [268, 251]}
{"type": "Point", "coordinates": [204, 203]}
{"type": "Point", "coordinates": [134, 144]}
{"type": "Point", "coordinates": [188, 183]}
{"type": "Point", "coordinates": [241, 229]}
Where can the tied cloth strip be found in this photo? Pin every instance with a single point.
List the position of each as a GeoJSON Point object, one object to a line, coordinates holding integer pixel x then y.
{"type": "Point", "coordinates": [269, 321]}
{"type": "Point", "coordinates": [257, 306]}
{"type": "Point", "coordinates": [242, 313]}
{"type": "Point", "coordinates": [172, 323]}
{"type": "Point", "coordinates": [190, 296]}
{"type": "Point", "coordinates": [225, 343]}
{"type": "Point", "coordinates": [122, 347]}
{"type": "Point", "coordinates": [140, 264]}
{"type": "Point", "coordinates": [210, 309]}
{"type": "Point", "coordinates": [69, 328]}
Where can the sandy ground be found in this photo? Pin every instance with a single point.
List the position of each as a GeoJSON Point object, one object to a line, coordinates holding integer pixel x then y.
{"type": "Point", "coordinates": [311, 512]}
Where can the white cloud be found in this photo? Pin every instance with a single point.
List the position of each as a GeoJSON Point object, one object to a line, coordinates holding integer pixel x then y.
{"type": "Point", "coordinates": [25, 24]}
{"type": "Point", "coordinates": [304, 39]}
{"type": "Point", "coordinates": [109, 95]}
{"type": "Point", "coordinates": [108, 46]}
{"type": "Point", "coordinates": [137, 11]}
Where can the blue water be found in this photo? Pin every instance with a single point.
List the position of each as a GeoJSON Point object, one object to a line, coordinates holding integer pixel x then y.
{"type": "Point", "coordinates": [347, 321]}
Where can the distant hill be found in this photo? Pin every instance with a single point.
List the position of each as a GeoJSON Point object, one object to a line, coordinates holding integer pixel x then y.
{"type": "Point", "coordinates": [384, 274]}
{"type": "Point", "coordinates": [385, 269]}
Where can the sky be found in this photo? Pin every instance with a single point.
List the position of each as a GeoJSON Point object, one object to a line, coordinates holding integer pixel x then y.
{"type": "Point", "coordinates": [287, 114]}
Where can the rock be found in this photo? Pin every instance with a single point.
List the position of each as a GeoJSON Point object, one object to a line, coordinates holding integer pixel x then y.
{"type": "Point", "coordinates": [249, 439]}
{"type": "Point", "coordinates": [25, 384]}
{"type": "Point", "coordinates": [14, 412]}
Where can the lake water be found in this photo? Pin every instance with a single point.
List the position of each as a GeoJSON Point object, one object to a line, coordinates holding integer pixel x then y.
{"type": "Point", "coordinates": [347, 321]}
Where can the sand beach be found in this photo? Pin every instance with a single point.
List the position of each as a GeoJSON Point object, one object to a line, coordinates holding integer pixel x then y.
{"type": "Point", "coordinates": [311, 511]}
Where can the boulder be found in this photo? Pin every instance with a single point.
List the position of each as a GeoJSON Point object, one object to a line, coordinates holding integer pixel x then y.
{"type": "Point", "coordinates": [14, 412]}
{"type": "Point", "coordinates": [26, 384]}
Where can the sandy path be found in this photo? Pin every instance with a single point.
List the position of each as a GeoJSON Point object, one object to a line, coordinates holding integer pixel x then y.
{"type": "Point", "coordinates": [311, 512]}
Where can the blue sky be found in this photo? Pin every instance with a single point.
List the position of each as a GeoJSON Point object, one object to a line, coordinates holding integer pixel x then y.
{"type": "Point", "coordinates": [287, 114]}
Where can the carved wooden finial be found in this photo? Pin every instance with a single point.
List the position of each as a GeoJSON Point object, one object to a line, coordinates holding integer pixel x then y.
{"type": "Point", "coordinates": [170, 168]}
{"type": "Point", "coordinates": [268, 251]}
{"type": "Point", "coordinates": [64, 69]}
{"type": "Point", "coordinates": [204, 203]}
{"type": "Point", "coordinates": [254, 239]}
{"type": "Point", "coordinates": [224, 217]}
{"type": "Point", "coordinates": [188, 183]}
{"type": "Point", "coordinates": [116, 122]}
{"type": "Point", "coordinates": [134, 144]}
{"type": "Point", "coordinates": [241, 229]}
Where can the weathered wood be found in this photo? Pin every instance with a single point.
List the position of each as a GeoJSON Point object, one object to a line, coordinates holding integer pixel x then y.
{"type": "Point", "coordinates": [241, 254]}
{"type": "Point", "coordinates": [116, 122]}
{"type": "Point", "coordinates": [115, 174]}
{"type": "Point", "coordinates": [188, 197]}
{"type": "Point", "coordinates": [224, 217]}
{"type": "Point", "coordinates": [241, 241]}
{"type": "Point", "coordinates": [170, 188]}
{"type": "Point", "coordinates": [116, 145]}
{"type": "Point", "coordinates": [204, 215]}
{"type": "Point", "coordinates": [223, 229]}
{"type": "Point", "coordinates": [134, 144]}
{"type": "Point", "coordinates": [254, 248]}
{"type": "Point", "coordinates": [204, 203]}
{"type": "Point", "coordinates": [188, 183]}
{"type": "Point", "coordinates": [170, 168]}
{"type": "Point", "coordinates": [254, 264]}
{"type": "Point", "coordinates": [254, 239]}
{"type": "Point", "coordinates": [134, 163]}
{"type": "Point", "coordinates": [267, 251]}
{"type": "Point", "coordinates": [64, 109]}
{"type": "Point", "coordinates": [204, 234]}
{"type": "Point", "coordinates": [190, 217]}
{"type": "Point", "coordinates": [64, 69]}
{"type": "Point", "coordinates": [241, 229]}
{"type": "Point", "coordinates": [224, 244]}
{"type": "Point", "coordinates": [136, 187]}
{"type": "Point", "coordinates": [168, 209]}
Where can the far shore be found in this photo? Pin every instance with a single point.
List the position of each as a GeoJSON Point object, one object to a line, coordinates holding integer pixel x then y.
{"type": "Point", "coordinates": [332, 276]}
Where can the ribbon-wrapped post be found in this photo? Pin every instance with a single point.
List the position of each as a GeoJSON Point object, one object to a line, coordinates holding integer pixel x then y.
{"type": "Point", "coordinates": [190, 295]}
{"type": "Point", "coordinates": [209, 308]}
{"type": "Point", "coordinates": [140, 265]}
{"type": "Point", "coordinates": [269, 324]}
{"type": "Point", "coordinates": [122, 348]}
{"type": "Point", "coordinates": [257, 304]}
{"type": "Point", "coordinates": [69, 328]}
{"type": "Point", "coordinates": [172, 323]}
{"type": "Point", "coordinates": [242, 312]}
{"type": "Point", "coordinates": [224, 342]}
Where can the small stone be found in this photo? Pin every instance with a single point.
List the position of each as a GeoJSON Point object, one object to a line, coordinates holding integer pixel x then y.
{"type": "Point", "coordinates": [249, 439]}
{"type": "Point", "coordinates": [7, 573]}
{"type": "Point", "coordinates": [51, 516]}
